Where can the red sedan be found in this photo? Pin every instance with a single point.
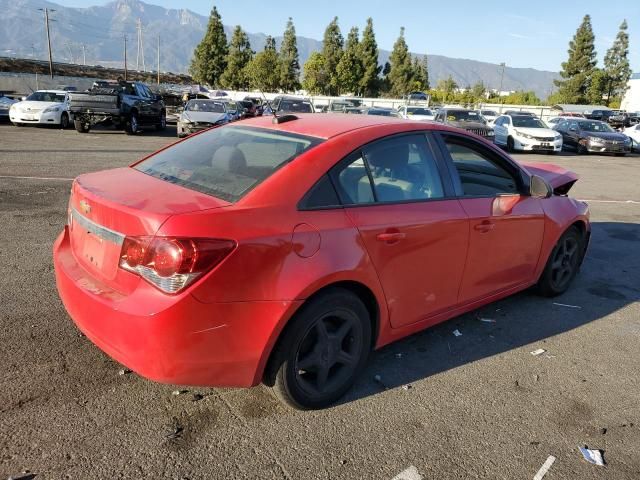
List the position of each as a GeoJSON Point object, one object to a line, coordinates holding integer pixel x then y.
{"type": "Point", "coordinates": [284, 250]}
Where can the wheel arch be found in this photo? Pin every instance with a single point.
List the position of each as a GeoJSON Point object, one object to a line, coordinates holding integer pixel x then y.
{"type": "Point", "coordinates": [363, 292]}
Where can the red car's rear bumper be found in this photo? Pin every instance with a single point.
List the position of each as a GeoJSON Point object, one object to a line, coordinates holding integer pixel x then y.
{"type": "Point", "coordinates": [170, 339]}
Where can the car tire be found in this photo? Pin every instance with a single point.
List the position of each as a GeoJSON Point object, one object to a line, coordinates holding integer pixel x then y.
{"type": "Point", "coordinates": [131, 125]}
{"type": "Point", "coordinates": [81, 127]}
{"type": "Point", "coordinates": [510, 144]}
{"type": "Point", "coordinates": [162, 125]}
{"type": "Point", "coordinates": [563, 264]}
{"type": "Point", "coordinates": [18, 124]}
{"type": "Point", "coordinates": [322, 351]}
{"type": "Point", "coordinates": [64, 121]}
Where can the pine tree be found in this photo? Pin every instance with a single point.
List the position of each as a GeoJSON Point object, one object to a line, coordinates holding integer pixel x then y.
{"type": "Point", "coordinates": [210, 56]}
{"type": "Point", "coordinates": [597, 86]}
{"type": "Point", "coordinates": [289, 59]}
{"type": "Point", "coordinates": [332, 51]}
{"type": "Point", "coordinates": [349, 68]}
{"type": "Point", "coordinates": [263, 71]}
{"type": "Point", "coordinates": [420, 80]}
{"type": "Point", "coordinates": [316, 78]}
{"type": "Point", "coordinates": [616, 64]}
{"type": "Point", "coordinates": [370, 83]}
{"type": "Point", "coordinates": [578, 69]}
{"type": "Point", "coordinates": [401, 74]}
{"type": "Point", "coordinates": [385, 83]}
{"type": "Point", "coordinates": [425, 69]}
{"type": "Point", "coordinates": [240, 54]}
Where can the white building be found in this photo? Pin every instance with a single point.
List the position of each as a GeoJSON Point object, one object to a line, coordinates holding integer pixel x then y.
{"type": "Point", "coordinates": [631, 100]}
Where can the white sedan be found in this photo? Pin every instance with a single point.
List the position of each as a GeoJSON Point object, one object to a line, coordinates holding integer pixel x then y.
{"type": "Point", "coordinates": [633, 132]}
{"type": "Point", "coordinates": [44, 107]}
{"type": "Point", "coordinates": [416, 113]}
{"type": "Point", "coordinates": [524, 132]}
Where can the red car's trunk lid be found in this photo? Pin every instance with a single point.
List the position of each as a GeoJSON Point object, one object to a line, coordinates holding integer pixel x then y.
{"type": "Point", "coordinates": [107, 206]}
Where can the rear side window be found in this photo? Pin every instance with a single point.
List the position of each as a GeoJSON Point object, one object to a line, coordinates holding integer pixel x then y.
{"type": "Point", "coordinates": [226, 162]}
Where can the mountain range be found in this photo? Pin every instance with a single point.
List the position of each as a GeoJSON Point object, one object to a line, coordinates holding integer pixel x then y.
{"type": "Point", "coordinates": [97, 33]}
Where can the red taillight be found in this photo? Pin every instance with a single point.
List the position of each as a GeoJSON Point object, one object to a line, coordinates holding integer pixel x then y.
{"type": "Point", "coordinates": [172, 263]}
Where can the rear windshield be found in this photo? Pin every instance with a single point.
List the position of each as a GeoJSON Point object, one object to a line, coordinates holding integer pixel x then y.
{"type": "Point", "coordinates": [295, 106]}
{"type": "Point", "coordinates": [226, 162]}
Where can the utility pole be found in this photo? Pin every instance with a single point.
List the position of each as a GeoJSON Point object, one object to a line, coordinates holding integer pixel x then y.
{"type": "Point", "coordinates": [501, 81]}
{"type": "Point", "coordinates": [70, 53]}
{"type": "Point", "coordinates": [46, 23]}
{"type": "Point", "coordinates": [158, 59]}
{"type": "Point", "coordinates": [140, 54]}
{"type": "Point", "coordinates": [33, 51]}
{"type": "Point", "coordinates": [125, 57]}
{"type": "Point", "coordinates": [84, 55]}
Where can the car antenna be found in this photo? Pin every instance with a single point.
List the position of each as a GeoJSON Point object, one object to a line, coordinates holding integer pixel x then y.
{"type": "Point", "coordinates": [276, 119]}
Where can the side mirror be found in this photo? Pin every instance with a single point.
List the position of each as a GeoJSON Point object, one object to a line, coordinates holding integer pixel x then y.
{"type": "Point", "coordinates": [539, 188]}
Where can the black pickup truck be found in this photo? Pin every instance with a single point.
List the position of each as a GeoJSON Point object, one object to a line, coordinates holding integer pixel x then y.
{"type": "Point", "coordinates": [127, 105]}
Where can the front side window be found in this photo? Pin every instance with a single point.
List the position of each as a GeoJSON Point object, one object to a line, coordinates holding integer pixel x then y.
{"type": "Point", "coordinates": [480, 171]}
{"type": "Point", "coordinates": [226, 162]}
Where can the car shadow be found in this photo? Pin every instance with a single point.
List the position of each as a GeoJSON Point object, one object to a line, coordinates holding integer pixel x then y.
{"type": "Point", "coordinates": [169, 132]}
{"type": "Point", "coordinates": [606, 283]}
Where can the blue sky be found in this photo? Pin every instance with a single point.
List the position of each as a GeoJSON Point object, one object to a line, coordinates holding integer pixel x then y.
{"type": "Point", "coordinates": [522, 34]}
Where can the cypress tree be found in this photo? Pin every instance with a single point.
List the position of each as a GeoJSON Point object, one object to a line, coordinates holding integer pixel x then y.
{"type": "Point", "coordinates": [577, 70]}
{"type": "Point", "coordinates": [401, 74]}
{"type": "Point", "coordinates": [263, 71]}
{"type": "Point", "coordinates": [210, 56]}
{"type": "Point", "coordinates": [332, 51]}
{"type": "Point", "coordinates": [289, 59]}
{"type": "Point", "coordinates": [370, 83]}
{"type": "Point", "coordinates": [349, 68]}
{"type": "Point", "coordinates": [616, 64]}
{"type": "Point", "coordinates": [240, 54]}
{"type": "Point", "coordinates": [316, 78]}
{"type": "Point", "coordinates": [420, 74]}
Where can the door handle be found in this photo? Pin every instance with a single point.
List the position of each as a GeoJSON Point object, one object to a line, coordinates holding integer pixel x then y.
{"type": "Point", "coordinates": [391, 237]}
{"type": "Point", "coordinates": [485, 226]}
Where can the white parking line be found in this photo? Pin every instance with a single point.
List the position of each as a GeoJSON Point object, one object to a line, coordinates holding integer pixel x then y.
{"type": "Point", "coordinates": [545, 467]}
{"type": "Point", "coordinates": [632, 202]}
{"type": "Point", "coordinates": [37, 178]}
{"type": "Point", "coordinates": [410, 473]}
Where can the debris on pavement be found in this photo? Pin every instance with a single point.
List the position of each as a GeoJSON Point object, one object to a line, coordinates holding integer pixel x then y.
{"type": "Point", "coordinates": [407, 387]}
{"type": "Point", "coordinates": [410, 473]}
{"type": "Point", "coordinates": [197, 397]}
{"type": "Point", "coordinates": [537, 352]}
{"type": "Point", "coordinates": [603, 431]}
{"type": "Point", "coordinates": [457, 333]}
{"type": "Point", "coordinates": [23, 476]}
{"type": "Point", "coordinates": [124, 371]}
{"type": "Point", "coordinates": [398, 355]}
{"type": "Point", "coordinates": [566, 305]}
{"type": "Point", "coordinates": [378, 379]}
{"type": "Point", "coordinates": [176, 432]}
{"type": "Point", "coordinates": [486, 320]}
{"type": "Point", "coordinates": [592, 456]}
{"type": "Point", "coordinates": [179, 392]}
{"type": "Point", "coordinates": [545, 467]}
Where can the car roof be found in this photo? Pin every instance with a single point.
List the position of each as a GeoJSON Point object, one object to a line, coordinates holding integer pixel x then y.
{"type": "Point", "coordinates": [324, 125]}
{"type": "Point", "coordinates": [52, 91]}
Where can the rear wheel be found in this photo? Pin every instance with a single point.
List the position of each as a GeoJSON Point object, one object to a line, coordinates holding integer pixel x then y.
{"type": "Point", "coordinates": [563, 264]}
{"type": "Point", "coordinates": [64, 120]}
{"type": "Point", "coordinates": [81, 127]}
{"type": "Point", "coordinates": [18, 124]}
{"type": "Point", "coordinates": [131, 126]}
{"type": "Point", "coordinates": [323, 350]}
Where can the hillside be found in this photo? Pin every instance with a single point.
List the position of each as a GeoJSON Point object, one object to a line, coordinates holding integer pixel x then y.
{"type": "Point", "coordinates": [101, 29]}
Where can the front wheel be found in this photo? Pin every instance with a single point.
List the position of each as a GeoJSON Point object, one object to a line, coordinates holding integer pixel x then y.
{"type": "Point", "coordinates": [64, 121]}
{"type": "Point", "coordinates": [323, 350]}
{"type": "Point", "coordinates": [162, 125]}
{"type": "Point", "coordinates": [131, 125]}
{"type": "Point", "coordinates": [563, 264]}
{"type": "Point", "coordinates": [582, 147]}
{"type": "Point", "coordinates": [510, 145]}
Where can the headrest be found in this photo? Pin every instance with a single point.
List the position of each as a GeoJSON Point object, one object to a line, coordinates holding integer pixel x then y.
{"type": "Point", "coordinates": [229, 158]}
{"type": "Point", "coordinates": [391, 155]}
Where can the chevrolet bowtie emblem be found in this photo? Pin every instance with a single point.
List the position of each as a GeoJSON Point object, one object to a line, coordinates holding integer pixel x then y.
{"type": "Point", "coordinates": [85, 207]}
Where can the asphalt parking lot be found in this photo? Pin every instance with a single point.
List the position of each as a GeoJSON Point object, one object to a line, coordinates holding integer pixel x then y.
{"type": "Point", "coordinates": [476, 406]}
